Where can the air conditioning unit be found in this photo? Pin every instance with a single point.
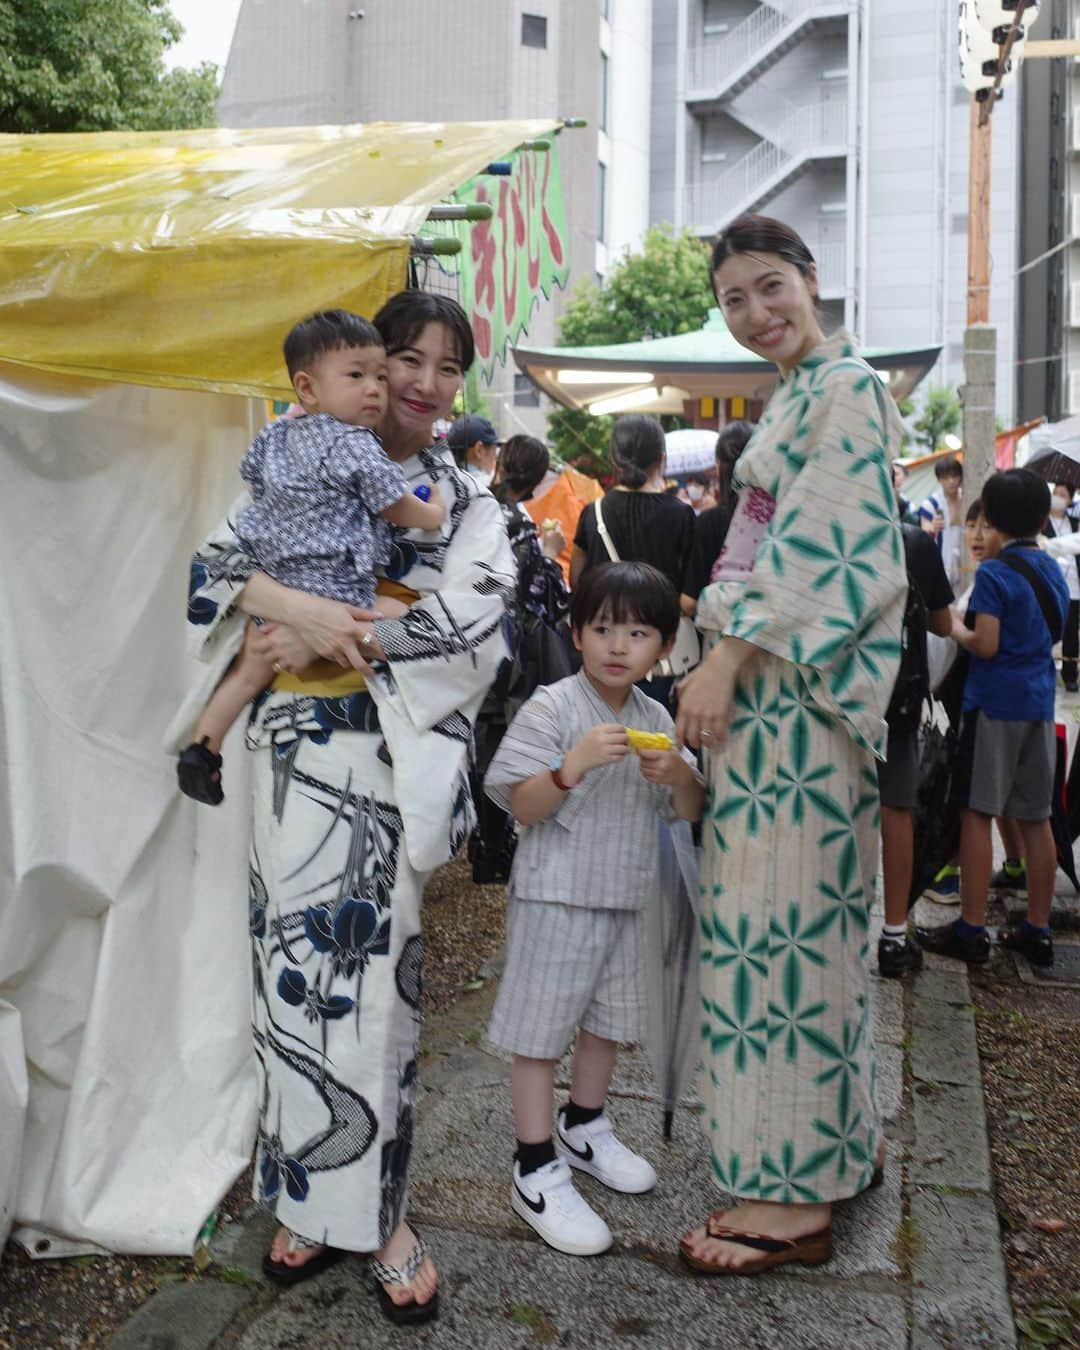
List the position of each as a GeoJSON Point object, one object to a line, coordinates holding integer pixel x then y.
{"type": "Point", "coordinates": [1074, 304]}
{"type": "Point", "coordinates": [1074, 391]}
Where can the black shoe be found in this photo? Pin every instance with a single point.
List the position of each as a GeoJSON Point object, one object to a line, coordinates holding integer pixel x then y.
{"type": "Point", "coordinates": [1071, 687]}
{"type": "Point", "coordinates": [896, 956]}
{"type": "Point", "coordinates": [1037, 947]}
{"type": "Point", "coordinates": [946, 941]}
{"type": "Point", "coordinates": [1010, 883]}
{"type": "Point", "coordinates": [198, 771]}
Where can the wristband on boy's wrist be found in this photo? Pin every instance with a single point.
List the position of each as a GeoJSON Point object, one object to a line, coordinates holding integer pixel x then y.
{"type": "Point", "coordinates": [555, 769]}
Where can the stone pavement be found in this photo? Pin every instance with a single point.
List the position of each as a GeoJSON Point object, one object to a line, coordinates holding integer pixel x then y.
{"type": "Point", "coordinates": [918, 1262]}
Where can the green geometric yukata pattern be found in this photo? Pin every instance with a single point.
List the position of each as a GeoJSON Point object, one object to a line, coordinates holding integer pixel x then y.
{"type": "Point", "coordinates": [790, 837]}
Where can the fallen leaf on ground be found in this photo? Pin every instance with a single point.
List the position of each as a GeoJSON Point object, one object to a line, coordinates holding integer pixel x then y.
{"type": "Point", "coordinates": [1049, 1225]}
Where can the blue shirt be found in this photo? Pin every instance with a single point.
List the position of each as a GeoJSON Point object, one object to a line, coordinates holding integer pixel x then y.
{"type": "Point", "coordinates": [1017, 685]}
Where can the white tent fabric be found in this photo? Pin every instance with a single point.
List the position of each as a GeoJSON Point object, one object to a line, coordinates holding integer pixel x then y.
{"type": "Point", "coordinates": [124, 965]}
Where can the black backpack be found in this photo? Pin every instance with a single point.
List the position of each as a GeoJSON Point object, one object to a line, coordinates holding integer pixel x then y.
{"type": "Point", "coordinates": [912, 687]}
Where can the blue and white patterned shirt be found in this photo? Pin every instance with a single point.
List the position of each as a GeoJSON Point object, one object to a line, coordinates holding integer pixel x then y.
{"type": "Point", "coordinates": [317, 486]}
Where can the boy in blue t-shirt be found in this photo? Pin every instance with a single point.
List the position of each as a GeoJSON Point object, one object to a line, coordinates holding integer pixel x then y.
{"type": "Point", "coordinates": [1006, 765]}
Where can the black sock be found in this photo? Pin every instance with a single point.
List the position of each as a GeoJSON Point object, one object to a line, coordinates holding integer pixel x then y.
{"type": "Point", "coordinates": [532, 1156]}
{"type": "Point", "coordinates": [572, 1114]}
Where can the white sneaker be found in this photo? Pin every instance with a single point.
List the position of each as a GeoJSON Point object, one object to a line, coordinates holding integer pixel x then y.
{"type": "Point", "coordinates": [548, 1200]}
{"type": "Point", "coordinates": [593, 1148]}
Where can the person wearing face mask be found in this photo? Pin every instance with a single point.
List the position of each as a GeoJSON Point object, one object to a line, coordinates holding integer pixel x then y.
{"type": "Point", "coordinates": [1059, 523]}
{"type": "Point", "coordinates": [698, 496]}
{"type": "Point", "coordinates": [475, 444]}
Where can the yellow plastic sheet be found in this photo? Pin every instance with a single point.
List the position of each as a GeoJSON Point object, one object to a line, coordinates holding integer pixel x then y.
{"type": "Point", "coordinates": [182, 258]}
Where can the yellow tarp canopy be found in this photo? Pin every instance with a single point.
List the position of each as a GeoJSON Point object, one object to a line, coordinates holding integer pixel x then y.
{"type": "Point", "coordinates": [182, 258]}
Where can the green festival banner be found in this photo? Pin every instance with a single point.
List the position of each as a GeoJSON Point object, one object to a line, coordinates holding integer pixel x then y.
{"type": "Point", "coordinates": [507, 263]}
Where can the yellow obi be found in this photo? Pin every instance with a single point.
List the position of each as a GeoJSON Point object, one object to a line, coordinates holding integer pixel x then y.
{"type": "Point", "coordinates": [326, 679]}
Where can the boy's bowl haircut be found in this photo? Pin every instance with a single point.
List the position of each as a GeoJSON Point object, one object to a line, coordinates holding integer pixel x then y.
{"type": "Point", "coordinates": [625, 592]}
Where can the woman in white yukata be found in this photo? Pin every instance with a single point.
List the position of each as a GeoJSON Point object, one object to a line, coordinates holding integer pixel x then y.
{"type": "Point", "coordinates": [803, 615]}
{"type": "Point", "coordinates": [343, 839]}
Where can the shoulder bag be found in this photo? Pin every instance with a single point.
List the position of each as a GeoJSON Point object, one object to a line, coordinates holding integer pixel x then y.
{"type": "Point", "coordinates": [686, 651]}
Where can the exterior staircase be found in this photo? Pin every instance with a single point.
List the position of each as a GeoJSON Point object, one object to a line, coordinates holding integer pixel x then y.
{"type": "Point", "coordinates": [721, 70]}
{"type": "Point", "coordinates": [814, 132]}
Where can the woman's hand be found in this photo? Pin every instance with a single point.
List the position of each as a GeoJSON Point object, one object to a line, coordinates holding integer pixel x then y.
{"type": "Point", "coordinates": [282, 646]}
{"type": "Point", "coordinates": [337, 631]}
{"type": "Point", "coordinates": [705, 699]}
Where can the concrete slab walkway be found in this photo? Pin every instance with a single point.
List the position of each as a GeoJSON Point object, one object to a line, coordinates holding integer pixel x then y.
{"type": "Point", "coordinates": [918, 1262]}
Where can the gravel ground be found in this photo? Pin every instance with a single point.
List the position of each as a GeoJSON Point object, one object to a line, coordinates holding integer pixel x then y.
{"type": "Point", "coordinates": [1029, 1043]}
{"type": "Point", "coordinates": [77, 1304]}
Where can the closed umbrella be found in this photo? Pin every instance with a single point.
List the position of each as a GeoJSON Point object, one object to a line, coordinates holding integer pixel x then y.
{"type": "Point", "coordinates": [674, 1000]}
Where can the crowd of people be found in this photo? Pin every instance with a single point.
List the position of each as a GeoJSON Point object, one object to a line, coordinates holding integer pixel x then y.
{"type": "Point", "coordinates": [421, 670]}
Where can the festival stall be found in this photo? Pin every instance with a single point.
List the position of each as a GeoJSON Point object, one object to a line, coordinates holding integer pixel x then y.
{"type": "Point", "coordinates": [146, 282]}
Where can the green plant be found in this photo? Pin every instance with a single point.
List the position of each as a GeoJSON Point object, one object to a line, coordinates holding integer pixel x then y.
{"type": "Point", "coordinates": [97, 65]}
{"type": "Point", "coordinates": [941, 416]}
{"type": "Point", "coordinates": [663, 290]}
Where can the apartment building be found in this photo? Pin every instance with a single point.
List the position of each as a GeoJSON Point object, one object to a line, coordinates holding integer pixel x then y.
{"type": "Point", "coordinates": [305, 62]}
{"type": "Point", "coordinates": [847, 119]}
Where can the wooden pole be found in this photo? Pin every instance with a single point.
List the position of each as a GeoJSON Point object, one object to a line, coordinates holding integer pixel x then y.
{"type": "Point", "coordinates": [978, 296]}
{"type": "Point", "coordinates": [980, 339]}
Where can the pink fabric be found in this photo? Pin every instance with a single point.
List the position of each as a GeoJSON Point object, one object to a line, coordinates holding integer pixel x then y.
{"type": "Point", "coordinates": [747, 529]}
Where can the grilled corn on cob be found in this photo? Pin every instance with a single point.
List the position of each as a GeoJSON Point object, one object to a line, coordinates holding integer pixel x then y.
{"type": "Point", "coordinates": [648, 740]}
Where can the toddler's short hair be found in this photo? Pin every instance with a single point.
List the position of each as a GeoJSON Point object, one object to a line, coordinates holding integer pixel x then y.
{"type": "Point", "coordinates": [949, 467]}
{"type": "Point", "coordinates": [626, 591]}
{"type": "Point", "coordinates": [1016, 502]}
{"type": "Point", "coordinates": [328, 331]}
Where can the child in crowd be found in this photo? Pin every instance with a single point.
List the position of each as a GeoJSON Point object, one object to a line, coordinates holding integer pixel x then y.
{"type": "Point", "coordinates": [1019, 602]}
{"type": "Point", "coordinates": [942, 516]}
{"type": "Point", "coordinates": [586, 867]}
{"type": "Point", "coordinates": [1010, 878]}
{"type": "Point", "coordinates": [929, 598]}
{"type": "Point", "coordinates": [324, 496]}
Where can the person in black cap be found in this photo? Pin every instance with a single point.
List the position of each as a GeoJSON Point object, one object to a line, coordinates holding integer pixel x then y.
{"type": "Point", "coordinates": [475, 444]}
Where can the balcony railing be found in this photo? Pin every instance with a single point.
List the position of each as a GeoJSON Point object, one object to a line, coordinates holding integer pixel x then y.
{"type": "Point", "coordinates": [817, 129]}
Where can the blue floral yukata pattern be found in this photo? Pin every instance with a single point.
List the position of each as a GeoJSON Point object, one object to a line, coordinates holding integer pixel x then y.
{"type": "Point", "coordinates": [317, 486]}
{"type": "Point", "coordinates": [340, 848]}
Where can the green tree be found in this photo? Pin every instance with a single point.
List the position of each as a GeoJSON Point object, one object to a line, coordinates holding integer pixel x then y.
{"type": "Point", "coordinates": [941, 416]}
{"type": "Point", "coordinates": [97, 65]}
{"type": "Point", "coordinates": [663, 290]}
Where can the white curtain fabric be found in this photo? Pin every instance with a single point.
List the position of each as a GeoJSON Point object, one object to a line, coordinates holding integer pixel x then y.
{"type": "Point", "coordinates": [126, 1080]}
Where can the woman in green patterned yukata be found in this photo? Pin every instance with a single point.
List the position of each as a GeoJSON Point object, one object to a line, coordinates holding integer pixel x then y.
{"type": "Point", "coordinates": [803, 616]}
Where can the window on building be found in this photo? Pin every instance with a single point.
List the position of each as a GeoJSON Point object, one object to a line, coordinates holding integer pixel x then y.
{"type": "Point", "coordinates": [601, 203]}
{"type": "Point", "coordinates": [526, 394]}
{"type": "Point", "coordinates": [533, 30]}
{"type": "Point", "coordinates": [603, 91]}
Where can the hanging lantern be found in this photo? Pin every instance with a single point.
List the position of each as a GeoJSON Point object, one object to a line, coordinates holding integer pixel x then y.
{"type": "Point", "coordinates": [995, 14]}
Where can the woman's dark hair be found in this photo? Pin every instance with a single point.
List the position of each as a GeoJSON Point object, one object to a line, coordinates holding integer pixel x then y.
{"type": "Point", "coordinates": [762, 234]}
{"type": "Point", "coordinates": [637, 444]}
{"type": "Point", "coordinates": [405, 315]}
{"type": "Point", "coordinates": [523, 462]}
{"type": "Point", "coordinates": [974, 511]}
{"type": "Point", "coordinates": [729, 446]}
{"type": "Point", "coordinates": [626, 592]}
{"type": "Point", "coordinates": [948, 467]}
{"type": "Point", "coordinates": [1016, 502]}
{"type": "Point", "coordinates": [330, 330]}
